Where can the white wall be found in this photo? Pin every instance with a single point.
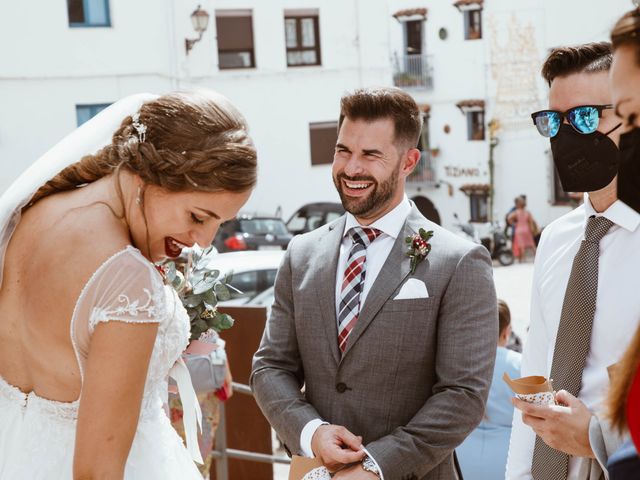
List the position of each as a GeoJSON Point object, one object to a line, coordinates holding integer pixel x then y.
{"type": "Point", "coordinates": [41, 82]}
{"type": "Point", "coordinates": [46, 68]}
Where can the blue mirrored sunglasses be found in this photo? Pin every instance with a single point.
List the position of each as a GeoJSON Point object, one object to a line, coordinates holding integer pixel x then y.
{"type": "Point", "coordinates": [584, 119]}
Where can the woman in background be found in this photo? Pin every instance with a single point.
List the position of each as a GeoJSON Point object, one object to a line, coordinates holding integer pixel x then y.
{"type": "Point", "coordinates": [525, 229]}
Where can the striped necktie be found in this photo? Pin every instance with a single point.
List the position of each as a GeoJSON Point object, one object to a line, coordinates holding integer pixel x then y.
{"type": "Point", "coordinates": [353, 281]}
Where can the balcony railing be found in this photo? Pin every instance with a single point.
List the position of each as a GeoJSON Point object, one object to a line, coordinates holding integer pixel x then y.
{"type": "Point", "coordinates": [425, 172]}
{"type": "Point", "coordinates": [413, 71]}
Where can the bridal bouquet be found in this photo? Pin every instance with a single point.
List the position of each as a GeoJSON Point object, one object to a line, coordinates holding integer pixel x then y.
{"type": "Point", "coordinates": [200, 288]}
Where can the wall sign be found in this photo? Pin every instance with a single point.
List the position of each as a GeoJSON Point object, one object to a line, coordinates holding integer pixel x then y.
{"type": "Point", "coordinates": [461, 171]}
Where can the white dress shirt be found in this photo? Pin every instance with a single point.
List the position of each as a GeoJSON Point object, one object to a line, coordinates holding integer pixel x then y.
{"type": "Point", "coordinates": [377, 252]}
{"type": "Point", "coordinates": [616, 317]}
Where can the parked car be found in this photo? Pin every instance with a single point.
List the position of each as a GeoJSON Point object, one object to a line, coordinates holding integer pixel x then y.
{"type": "Point", "coordinates": [252, 273]}
{"type": "Point", "coordinates": [264, 299]}
{"type": "Point", "coordinates": [314, 215]}
{"type": "Point", "coordinates": [248, 232]}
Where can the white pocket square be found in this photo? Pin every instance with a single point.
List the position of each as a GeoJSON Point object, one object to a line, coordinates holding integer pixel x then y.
{"type": "Point", "coordinates": [412, 288]}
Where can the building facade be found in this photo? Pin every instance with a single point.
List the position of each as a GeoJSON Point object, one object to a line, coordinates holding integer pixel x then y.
{"type": "Point", "coordinates": [471, 65]}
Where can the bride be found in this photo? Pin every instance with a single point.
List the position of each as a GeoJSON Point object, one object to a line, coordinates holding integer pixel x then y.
{"type": "Point", "coordinates": [88, 331]}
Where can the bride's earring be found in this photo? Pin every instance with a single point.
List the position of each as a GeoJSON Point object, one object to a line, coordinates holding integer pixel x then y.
{"type": "Point", "coordinates": [139, 197]}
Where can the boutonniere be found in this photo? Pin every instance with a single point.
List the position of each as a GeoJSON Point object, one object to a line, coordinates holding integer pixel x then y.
{"type": "Point", "coordinates": [418, 247]}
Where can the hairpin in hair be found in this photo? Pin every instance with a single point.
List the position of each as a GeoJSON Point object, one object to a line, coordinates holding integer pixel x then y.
{"type": "Point", "coordinates": [141, 128]}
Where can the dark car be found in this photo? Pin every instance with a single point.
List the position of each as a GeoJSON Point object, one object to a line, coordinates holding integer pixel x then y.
{"type": "Point", "coordinates": [314, 215]}
{"type": "Point", "coordinates": [249, 232]}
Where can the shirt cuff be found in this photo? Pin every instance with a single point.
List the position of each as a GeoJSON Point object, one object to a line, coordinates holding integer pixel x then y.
{"type": "Point", "coordinates": [374, 461]}
{"type": "Point", "coordinates": [307, 434]}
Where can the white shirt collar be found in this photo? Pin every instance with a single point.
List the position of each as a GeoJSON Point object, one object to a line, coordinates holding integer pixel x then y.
{"type": "Point", "coordinates": [390, 224]}
{"type": "Point", "coordinates": [619, 213]}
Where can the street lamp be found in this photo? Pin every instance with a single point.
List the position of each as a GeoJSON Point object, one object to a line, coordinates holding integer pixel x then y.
{"type": "Point", "coordinates": [200, 21]}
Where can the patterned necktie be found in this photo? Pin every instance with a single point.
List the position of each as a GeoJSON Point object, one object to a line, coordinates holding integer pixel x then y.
{"type": "Point", "coordinates": [573, 339]}
{"type": "Point", "coordinates": [353, 282]}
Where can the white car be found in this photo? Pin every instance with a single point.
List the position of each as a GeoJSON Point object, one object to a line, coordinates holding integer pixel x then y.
{"type": "Point", "coordinates": [264, 299]}
{"type": "Point", "coordinates": [252, 272]}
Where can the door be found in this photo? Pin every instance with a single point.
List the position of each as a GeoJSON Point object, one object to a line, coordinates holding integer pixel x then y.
{"type": "Point", "coordinates": [413, 41]}
{"type": "Point", "coordinates": [427, 208]}
{"type": "Point", "coordinates": [414, 37]}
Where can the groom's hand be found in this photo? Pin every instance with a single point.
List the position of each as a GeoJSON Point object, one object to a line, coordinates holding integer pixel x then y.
{"type": "Point", "coordinates": [336, 446]}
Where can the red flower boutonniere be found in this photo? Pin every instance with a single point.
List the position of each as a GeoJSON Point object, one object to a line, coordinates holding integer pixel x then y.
{"type": "Point", "coordinates": [418, 247]}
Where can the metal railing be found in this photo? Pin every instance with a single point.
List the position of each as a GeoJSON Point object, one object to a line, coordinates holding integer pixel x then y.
{"type": "Point", "coordinates": [412, 71]}
{"type": "Point", "coordinates": [425, 172]}
{"type": "Point", "coordinates": [222, 453]}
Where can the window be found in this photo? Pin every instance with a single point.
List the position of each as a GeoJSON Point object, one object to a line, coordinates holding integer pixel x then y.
{"type": "Point", "coordinates": [246, 283]}
{"type": "Point", "coordinates": [472, 24]}
{"type": "Point", "coordinates": [479, 207]}
{"type": "Point", "coordinates": [252, 283]}
{"type": "Point", "coordinates": [331, 216]}
{"type": "Point", "coordinates": [413, 37]}
{"type": "Point", "coordinates": [263, 226]}
{"type": "Point", "coordinates": [475, 125]}
{"type": "Point", "coordinates": [88, 13]}
{"type": "Point", "coordinates": [85, 112]}
{"type": "Point", "coordinates": [303, 40]}
{"type": "Point", "coordinates": [323, 137]}
{"type": "Point", "coordinates": [235, 39]}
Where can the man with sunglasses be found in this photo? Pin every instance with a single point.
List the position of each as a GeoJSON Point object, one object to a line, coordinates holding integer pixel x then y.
{"type": "Point", "coordinates": [584, 302]}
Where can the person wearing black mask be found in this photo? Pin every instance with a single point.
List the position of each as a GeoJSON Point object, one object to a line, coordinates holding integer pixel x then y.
{"type": "Point", "coordinates": [625, 88]}
{"type": "Point", "coordinates": [584, 301]}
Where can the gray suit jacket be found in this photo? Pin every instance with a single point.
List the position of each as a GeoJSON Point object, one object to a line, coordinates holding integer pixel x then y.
{"type": "Point", "coordinates": [416, 372]}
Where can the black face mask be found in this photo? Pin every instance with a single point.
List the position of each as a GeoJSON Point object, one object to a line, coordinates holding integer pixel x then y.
{"type": "Point", "coordinates": [585, 162]}
{"type": "Point", "coordinates": [629, 169]}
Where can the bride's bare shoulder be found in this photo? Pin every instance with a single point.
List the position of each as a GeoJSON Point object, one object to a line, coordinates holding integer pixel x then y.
{"type": "Point", "coordinates": [86, 235]}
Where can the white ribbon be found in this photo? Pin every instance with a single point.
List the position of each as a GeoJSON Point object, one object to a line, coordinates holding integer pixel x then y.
{"type": "Point", "coordinates": [192, 419]}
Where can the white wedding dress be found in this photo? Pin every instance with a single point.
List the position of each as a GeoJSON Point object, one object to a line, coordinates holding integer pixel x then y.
{"type": "Point", "coordinates": [37, 435]}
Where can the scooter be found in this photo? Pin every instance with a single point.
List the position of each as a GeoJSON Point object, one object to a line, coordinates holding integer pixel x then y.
{"type": "Point", "coordinates": [466, 230]}
{"type": "Point", "coordinates": [498, 245]}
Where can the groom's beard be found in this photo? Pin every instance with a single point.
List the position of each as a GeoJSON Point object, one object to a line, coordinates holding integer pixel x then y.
{"type": "Point", "coordinates": [377, 199]}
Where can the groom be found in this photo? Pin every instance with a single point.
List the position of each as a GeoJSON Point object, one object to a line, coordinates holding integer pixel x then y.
{"type": "Point", "coordinates": [378, 370]}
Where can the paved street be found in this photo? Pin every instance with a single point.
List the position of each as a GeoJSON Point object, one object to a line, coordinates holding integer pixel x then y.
{"type": "Point", "coordinates": [513, 285]}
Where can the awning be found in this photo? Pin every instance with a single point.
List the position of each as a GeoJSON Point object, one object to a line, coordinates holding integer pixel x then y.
{"type": "Point", "coordinates": [407, 14]}
{"type": "Point", "coordinates": [476, 188]}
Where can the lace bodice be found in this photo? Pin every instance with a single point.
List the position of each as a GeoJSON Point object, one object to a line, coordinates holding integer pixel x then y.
{"type": "Point", "coordinates": [128, 288]}
{"type": "Point", "coordinates": [320, 473]}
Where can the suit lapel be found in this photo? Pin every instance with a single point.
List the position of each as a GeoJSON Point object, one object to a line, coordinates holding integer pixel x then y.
{"type": "Point", "coordinates": [395, 269]}
{"type": "Point", "coordinates": [327, 264]}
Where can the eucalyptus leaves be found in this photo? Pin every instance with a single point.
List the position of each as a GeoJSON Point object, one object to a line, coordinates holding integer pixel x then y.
{"type": "Point", "coordinates": [200, 288]}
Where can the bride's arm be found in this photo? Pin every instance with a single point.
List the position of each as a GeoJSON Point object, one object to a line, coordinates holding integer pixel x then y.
{"type": "Point", "coordinates": [114, 382]}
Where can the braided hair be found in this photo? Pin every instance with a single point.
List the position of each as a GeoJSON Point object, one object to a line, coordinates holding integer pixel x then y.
{"type": "Point", "coordinates": [194, 141]}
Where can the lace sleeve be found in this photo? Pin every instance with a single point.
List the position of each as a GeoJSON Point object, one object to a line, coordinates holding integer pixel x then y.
{"type": "Point", "coordinates": [126, 288]}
